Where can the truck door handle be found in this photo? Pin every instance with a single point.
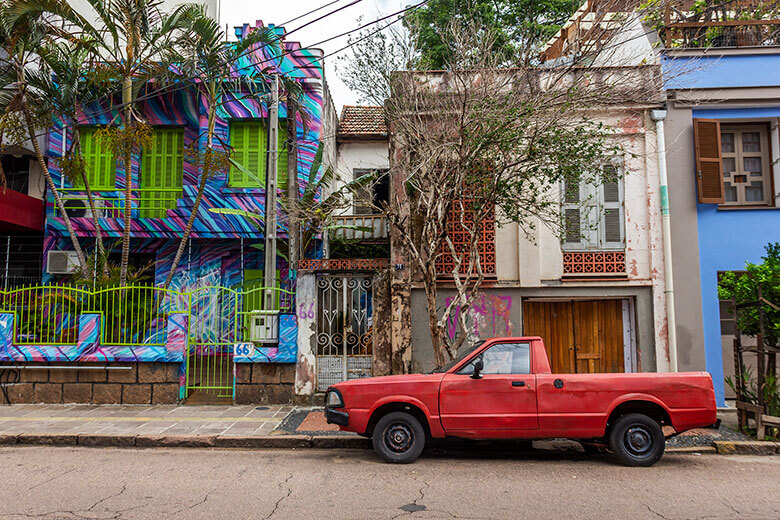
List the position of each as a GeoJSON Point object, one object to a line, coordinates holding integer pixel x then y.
{"type": "Point", "coordinates": [518, 383]}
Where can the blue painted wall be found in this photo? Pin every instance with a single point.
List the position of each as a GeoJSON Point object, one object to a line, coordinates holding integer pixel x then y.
{"type": "Point", "coordinates": [743, 70]}
{"type": "Point", "coordinates": [727, 240]}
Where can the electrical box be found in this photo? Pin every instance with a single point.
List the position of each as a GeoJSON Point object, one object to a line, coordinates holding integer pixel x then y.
{"type": "Point", "coordinates": [264, 326]}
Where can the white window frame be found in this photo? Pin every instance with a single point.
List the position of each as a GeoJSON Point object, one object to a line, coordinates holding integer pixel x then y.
{"type": "Point", "coordinates": [592, 208]}
{"type": "Point", "coordinates": [737, 130]}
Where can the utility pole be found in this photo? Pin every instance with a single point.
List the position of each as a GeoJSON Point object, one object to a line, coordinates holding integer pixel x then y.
{"type": "Point", "coordinates": [292, 183]}
{"type": "Point", "coordinates": [270, 198]}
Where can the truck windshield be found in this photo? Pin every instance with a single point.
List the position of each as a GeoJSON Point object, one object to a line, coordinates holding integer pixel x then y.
{"type": "Point", "coordinates": [463, 354]}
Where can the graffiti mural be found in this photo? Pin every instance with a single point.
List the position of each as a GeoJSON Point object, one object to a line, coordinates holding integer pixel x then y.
{"type": "Point", "coordinates": [215, 237]}
{"type": "Point", "coordinates": [490, 316]}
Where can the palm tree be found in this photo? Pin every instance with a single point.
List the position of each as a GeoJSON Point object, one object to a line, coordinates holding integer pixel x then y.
{"type": "Point", "coordinates": [203, 55]}
{"type": "Point", "coordinates": [22, 37]}
{"type": "Point", "coordinates": [62, 83]}
{"type": "Point", "coordinates": [131, 37]}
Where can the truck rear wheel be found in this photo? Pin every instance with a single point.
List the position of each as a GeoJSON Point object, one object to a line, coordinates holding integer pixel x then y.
{"type": "Point", "coordinates": [399, 438]}
{"type": "Point", "coordinates": [637, 440]}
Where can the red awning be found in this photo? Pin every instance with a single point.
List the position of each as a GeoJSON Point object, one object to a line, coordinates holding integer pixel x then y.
{"type": "Point", "coordinates": [20, 212]}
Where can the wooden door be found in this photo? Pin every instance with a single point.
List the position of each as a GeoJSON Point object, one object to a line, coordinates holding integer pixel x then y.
{"type": "Point", "coordinates": [581, 336]}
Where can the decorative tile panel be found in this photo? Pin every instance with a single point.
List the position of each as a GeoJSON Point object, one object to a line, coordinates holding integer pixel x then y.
{"type": "Point", "coordinates": [344, 264]}
{"type": "Point", "coordinates": [594, 262]}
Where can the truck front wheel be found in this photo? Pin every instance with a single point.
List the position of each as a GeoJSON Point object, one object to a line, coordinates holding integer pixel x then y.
{"type": "Point", "coordinates": [637, 440]}
{"type": "Point", "coordinates": [399, 438]}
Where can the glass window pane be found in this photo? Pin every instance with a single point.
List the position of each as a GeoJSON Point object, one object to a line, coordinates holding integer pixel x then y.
{"type": "Point", "coordinates": [751, 142]}
{"type": "Point", "coordinates": [505, 358]}
{"type": "Point", "coordinates": [754, 192]}
{"type": "Point", "coordinates": [752, 165]}
{"type": "Point", "coordinates": [727, 143]}
{"type": "Point", "coordinates": [730, 192]}
{"type": "Point", "coordinates": [729, 166]}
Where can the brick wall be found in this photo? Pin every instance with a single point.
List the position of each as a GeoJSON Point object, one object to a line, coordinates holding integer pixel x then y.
{"type": "Point", "coordinates": [265, 383]}
{"type": "Point", "coordinates": [144, 383]}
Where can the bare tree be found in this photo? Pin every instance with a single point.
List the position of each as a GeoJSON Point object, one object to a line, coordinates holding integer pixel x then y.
{"type": "Point", "coordinates": [480, 143]}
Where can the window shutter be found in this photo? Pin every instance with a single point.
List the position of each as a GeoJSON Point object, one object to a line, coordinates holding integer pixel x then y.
{"type": "Point", "coordinates": [162, 167]}
{"type": "Point", "coordinates": [99, 162]}
{"type": "Point", "coordinates": [281, 177]}
{"type": "Point", "coordinates": [248, 141]}
{"type": "Point", "coordinates": [612, 220]}
{"type": "Point", "coordinates": [709, 168]}
{"type": "Point", "coordinates": [573, 226]}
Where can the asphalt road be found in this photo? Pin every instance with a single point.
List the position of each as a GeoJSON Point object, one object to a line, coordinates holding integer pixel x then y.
{"type": "Point", "coordinates": [68, 483]}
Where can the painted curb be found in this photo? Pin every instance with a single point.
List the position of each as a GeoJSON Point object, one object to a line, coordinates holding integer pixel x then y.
{"type": "Point", "coordinates": [747, 447]}
{"type": "Point", "coordinates": [690, 450]}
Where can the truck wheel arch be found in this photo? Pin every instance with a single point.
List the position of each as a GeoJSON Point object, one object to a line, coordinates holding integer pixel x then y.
{"type": "Point", "coordinates": [641, 404]}
{"type": "Point", "coordinates": [414, 409]}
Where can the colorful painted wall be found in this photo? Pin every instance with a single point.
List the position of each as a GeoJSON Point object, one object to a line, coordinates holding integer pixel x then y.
{"type": "Point", "coordinates": [184, 107]}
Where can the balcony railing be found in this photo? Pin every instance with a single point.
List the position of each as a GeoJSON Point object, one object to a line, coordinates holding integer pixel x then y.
{"type": "Point", "coordinates": [739, 23]}
{"type": "Point", "coordinates": [144, 202]}
{"type": "Point", "coordinates": [361, 227]}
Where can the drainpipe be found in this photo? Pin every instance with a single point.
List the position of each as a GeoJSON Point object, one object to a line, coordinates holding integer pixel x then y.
{"type": "Point", "coordinates": [658, 116]}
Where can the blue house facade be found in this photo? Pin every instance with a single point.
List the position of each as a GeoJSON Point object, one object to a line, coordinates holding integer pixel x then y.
{"type": "Point", "coordinates": [723, 155]}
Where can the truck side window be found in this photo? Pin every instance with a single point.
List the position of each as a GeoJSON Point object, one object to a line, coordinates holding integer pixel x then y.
{"type": "Point", "coordinates": [504, 358]}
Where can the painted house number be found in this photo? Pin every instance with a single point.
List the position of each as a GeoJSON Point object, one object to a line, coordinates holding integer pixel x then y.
{"type": "Point", "coordinates": [244, 349]}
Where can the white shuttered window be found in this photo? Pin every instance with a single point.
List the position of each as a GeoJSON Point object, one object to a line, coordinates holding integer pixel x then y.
{"type": "Point", "coordinates": [594, 216]}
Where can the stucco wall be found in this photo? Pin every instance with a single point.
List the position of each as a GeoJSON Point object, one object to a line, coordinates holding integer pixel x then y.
{"type": "Point", "coordinates": [362, 154]}
{"type": "Point", "coordinates": [500, 314]}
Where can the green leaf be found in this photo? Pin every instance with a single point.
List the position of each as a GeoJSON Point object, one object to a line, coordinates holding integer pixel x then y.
{"type": "Point", "coordinates": [247, 172]}
{"type": "Point", "coordinates": [237, 212]}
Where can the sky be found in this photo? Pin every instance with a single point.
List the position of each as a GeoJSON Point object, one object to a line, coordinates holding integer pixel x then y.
{"type": "Point", "coordinates": [237, 12]}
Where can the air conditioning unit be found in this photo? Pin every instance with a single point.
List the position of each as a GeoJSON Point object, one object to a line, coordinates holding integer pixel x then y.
{"type": "Point", "coordinates": [79, 208]}
{"type": "Point", "coordinates": [264, 326]}
{"type": "Point", "coordinates": [62, 262]}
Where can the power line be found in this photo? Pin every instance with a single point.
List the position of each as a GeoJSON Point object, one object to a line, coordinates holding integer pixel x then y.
{"type": "Point", "coordinates": [191, 82]}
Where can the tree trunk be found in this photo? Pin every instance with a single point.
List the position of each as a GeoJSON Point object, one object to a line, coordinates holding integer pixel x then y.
{"type": "Point", "coordinates": [212, 117]}
{"type": "Point", "coordinates": [437, 332]}
{"type": "Point", "coordinates": [127, 159]}
{"type": "Point", "coordinates": [57, 200]}
{"type": "Point", "coordinates": [292, 182]}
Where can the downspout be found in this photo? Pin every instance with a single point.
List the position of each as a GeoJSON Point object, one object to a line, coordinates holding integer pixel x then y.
{"type": "Point", "coordinates": [658, 116]}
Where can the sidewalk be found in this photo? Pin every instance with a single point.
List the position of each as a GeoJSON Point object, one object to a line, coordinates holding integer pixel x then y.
{"type": "Point", "coordinates": [270, 426]}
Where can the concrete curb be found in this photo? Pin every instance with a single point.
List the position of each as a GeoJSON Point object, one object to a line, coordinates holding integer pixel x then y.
{"type": "Point", "coordinates": [186, 441]}
{"type": "Point", "coordinates": [747, 447]}
{"type": "Point", "coordinates": [300, 442]}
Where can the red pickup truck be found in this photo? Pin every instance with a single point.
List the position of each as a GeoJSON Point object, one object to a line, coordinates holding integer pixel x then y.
{"type": "Point", "coordinates": [503, 388]}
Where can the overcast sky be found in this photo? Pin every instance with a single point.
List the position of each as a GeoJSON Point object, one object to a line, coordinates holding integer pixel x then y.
{"type": "Point", "coordinates": [238, 12]}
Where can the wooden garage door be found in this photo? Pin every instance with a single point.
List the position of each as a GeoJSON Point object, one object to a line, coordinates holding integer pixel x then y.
{"type": "Point", "coordinates": [581, 336]}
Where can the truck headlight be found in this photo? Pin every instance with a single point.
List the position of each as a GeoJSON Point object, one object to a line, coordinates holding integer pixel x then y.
{"type": "Point", "coordinates": [334, 399]}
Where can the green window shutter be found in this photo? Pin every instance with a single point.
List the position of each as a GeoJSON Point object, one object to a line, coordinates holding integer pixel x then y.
{"type": "Point", "coordinates": [281, 171]}
{"type": "Point", "coordinates": [162, 166]}
{"type": "Point", "coordinates": [248, 140]}
{"type": "Point", "coordinates": [98, 161]}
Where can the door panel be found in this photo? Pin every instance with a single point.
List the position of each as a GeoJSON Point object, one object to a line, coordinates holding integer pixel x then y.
{"type": "Point", "coordinates": [489, 403]}
{"type": "Point", "coordinates": [580, 336]}
{"type": "Point", "coordinates": [553, 321]}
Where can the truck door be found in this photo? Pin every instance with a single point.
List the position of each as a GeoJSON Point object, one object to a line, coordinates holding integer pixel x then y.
{"type": "Point", "coordinates": [503, 400]}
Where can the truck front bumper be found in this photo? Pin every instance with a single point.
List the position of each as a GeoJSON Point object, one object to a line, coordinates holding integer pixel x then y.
{"type": "Point", "coordinates": [333, 416]}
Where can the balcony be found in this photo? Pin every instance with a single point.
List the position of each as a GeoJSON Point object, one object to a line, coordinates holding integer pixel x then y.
{"type": "Point", "coordinates": [743, 23]}
{"type": "Point", "coordinates": [361, 227]}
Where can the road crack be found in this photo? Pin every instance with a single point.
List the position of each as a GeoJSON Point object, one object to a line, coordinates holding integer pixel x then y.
{"type": "Point", "coordinates": [278, 502]}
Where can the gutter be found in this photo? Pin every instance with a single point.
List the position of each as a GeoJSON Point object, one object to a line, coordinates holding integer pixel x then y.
{"type": "Point", "coordinates": [658, 115]}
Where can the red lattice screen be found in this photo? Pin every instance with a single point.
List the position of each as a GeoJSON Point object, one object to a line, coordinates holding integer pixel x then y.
{"type": "Point", "coordinates": [594, 262]}
{"type": "Point", "coordinates": [486, 245]}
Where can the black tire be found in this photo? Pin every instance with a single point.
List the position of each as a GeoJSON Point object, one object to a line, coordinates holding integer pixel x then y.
{"type": "Point", "coordinates": [398, 438]}
{"type": "Point", "coordinates": [637, 440]}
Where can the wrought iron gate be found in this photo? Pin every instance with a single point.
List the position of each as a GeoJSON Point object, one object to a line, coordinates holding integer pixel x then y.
{"type": "Point", "coordinates": [344, 328]}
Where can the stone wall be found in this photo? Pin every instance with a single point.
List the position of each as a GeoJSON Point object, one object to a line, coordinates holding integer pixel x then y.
{"type": "Point", "coordinates": [144, 383]}
{"type": "Point", "coordinates": [265, 383]}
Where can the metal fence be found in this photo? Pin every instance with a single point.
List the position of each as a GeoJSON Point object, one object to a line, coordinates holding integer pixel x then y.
{"type": "Point", "coordinates": [136, 315]}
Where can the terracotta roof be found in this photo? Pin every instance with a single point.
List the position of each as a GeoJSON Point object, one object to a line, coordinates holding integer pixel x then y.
{"type": "Point", "coordinates": [362, 121]}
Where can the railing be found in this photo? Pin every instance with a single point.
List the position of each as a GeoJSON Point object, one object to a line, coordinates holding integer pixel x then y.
{"type": "Point", "coordinates": [737, 23]}
{"type": "Point", "coordinates": [146, 202]}
{"type": "Point", "coordinates": [135, 315]}
{"type": "Point", "coordinates": [361, 227]}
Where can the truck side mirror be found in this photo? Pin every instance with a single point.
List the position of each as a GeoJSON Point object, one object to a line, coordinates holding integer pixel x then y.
{"type": "Point", "coordinates": [479, 366]}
